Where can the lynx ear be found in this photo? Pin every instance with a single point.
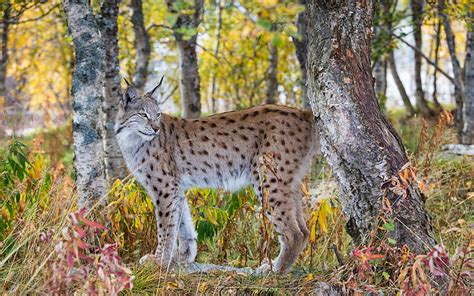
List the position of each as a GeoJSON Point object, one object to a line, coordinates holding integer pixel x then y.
{"type": "Point", "coordinates": [150, 93]}
{"type": "Point", "coordinates": [130, 95]}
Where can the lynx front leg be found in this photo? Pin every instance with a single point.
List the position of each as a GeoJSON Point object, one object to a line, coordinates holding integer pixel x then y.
{"type": "Point", "coordinates": [187, 236]}
{"type": "Point", "coordinates": [168, 211]}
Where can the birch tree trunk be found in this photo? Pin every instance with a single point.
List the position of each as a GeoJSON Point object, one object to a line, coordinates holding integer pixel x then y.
{"type": "Point", "coordinates": [467, 136]}
{"type": "Point", "coordinates": [458, 89]}
{"type": "Point", "coordinates": [301, 47]}
{"type": "Point", "coordinates": [272, 79]}
{"type": "Point", "coordinates": [5, 11]}
{"type": "Point", "coordinates": [142, 45]}
{"type": "Point", "coordinates": [359, 143]}
{"type": "Point", "coordinates": [417, 11]}
{"type": "Point", "coordinates": [401, 89]}
{"type": "Point", "coordinates": [114, 162]}
{"type": "Point", "coordinates": [88, 96]}
{"type": "Point", "coordinates": [189, 82]}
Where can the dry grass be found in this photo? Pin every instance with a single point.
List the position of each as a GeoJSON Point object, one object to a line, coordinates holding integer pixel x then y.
{"type": "Point", "coordinates": [230, 231]}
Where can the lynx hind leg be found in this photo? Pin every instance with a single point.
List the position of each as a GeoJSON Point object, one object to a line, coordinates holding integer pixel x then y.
{"type": "Point", "coordinates": [286, 216]}
{"type": "Point", "coordinates": [187, 246]}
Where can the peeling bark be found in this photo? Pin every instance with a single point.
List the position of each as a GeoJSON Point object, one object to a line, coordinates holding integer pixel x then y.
{"type": "Point", "coordinates": [401, 89]}
{"type": "Point", "coordinates": [301, 47]}
{"type": "Point", "coordinates": [467, 135]}
{"type": "Point", "coordinates": [417, 11]}
{"type": "Point", "coordinates": [88, 96]}
{"type": "Point", "coordinates": [142, 45]}
{"type": "Point", "coordinates": [272, 78]}
{"type": "Point", "coordinates": [359, 143]}
{"type": "Point", "coordinates": [189, 82]}
{"type": "Point", "coordinates": [458, 89]}
{"type": "Point", "coordinates": [114, 162]}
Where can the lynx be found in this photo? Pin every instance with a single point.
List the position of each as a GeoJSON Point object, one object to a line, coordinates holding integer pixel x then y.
{"type": "Point", "coordinates": [168, 155]}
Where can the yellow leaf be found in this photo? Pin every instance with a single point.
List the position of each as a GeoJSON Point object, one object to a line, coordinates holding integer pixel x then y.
{"type": "Point", "coordinates": [203, 287]}
{"type": "Point", "coordinates": [324, 212]}
{"type": "Point", "coordinates": [171, 285]}
{"type": "Point", "coordinates": [210, 215]}
{"type": "Point", "coordinates": [312, 235]}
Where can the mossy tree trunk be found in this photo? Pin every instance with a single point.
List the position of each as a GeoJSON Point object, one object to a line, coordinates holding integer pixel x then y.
{"type": "Point", "coordinates": [359, 143]}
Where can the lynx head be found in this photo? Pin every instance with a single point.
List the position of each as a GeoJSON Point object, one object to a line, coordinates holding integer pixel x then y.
{"type": "Point", "coordinates": [138, 116]}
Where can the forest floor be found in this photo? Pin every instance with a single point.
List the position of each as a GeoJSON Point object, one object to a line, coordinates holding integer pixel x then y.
{"type": "Point", "coordinates": [37, 228]}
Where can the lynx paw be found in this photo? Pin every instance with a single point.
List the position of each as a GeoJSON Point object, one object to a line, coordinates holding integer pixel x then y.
{"type": "Point", "coordinates": [262, 270]}
{"type": "Point", "coordinates": [187, 251]}
{"type": "Point", "coordinates": [148, 258]}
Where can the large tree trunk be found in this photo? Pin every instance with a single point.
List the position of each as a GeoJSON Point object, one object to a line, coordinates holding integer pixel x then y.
{"type": "Point", "coordinates": [142, 45]}
{"type": "Point", "coordinates": [301, 47]}
{"type": "Point", "coordinates": [359, 143]}
{"type": "Point", "coordinates": [272, 78]}
{"type": "Point", "coordinates": [114, 163]}
{"type": "Point", "coordinates": [398, 82]}
{"type": "Point", "coordinates": [417, 11]}
{"type": "Point", "coordinates": [458, 89]}
{"type": "Point", "coordinates": [467, 136]}
{"type": "Point", "coordinates": [88, 96]}
{"type": "Point", "coordinates": [189, 82]}
{"type": "Point", "coordinates": [5, 10]}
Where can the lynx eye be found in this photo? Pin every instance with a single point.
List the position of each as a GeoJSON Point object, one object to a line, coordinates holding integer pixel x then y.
{"type": "Point", "coordinates": [144, 115]}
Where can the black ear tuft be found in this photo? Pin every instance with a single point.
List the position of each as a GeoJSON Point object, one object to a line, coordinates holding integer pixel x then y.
{"type": "Point", "coordinates": [150, 93]}
{"type": "Point", "coordinates": [130, 96]}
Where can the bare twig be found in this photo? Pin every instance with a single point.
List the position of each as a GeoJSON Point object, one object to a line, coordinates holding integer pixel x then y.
{"type": "Point", "coordinates": [338, 255]}
{"type": "Point", "coordinates": [161, 102]}
{"type": "Point", "coordinates": [451, 79]}
{"type": "Point", "coordinates": [39, 17]}
{"type": "Point", "coordinates": [153, 25]}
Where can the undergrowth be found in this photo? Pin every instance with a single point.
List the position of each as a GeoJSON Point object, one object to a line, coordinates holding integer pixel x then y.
{"type": "Point", "coordinates": [39, 230]}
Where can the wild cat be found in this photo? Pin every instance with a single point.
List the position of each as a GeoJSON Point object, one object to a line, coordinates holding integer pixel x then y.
{"type": "Point", "coordinates": [168, 155]}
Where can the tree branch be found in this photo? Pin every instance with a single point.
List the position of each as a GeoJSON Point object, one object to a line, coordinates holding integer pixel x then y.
{"type": "Point", "coordinates": [39, 17]}
{"type": "Point", "coordinates": [428, 60]}
{"type": "Point", "coordinates": [153, 25]}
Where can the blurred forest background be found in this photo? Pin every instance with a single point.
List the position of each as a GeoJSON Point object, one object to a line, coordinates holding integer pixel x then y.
{"type": "Point", "coordinates": [237, 50]}
{"type": "Point", "coordinates": [247, 53]}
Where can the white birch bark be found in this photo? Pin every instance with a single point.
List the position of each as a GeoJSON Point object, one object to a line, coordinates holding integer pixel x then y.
{"type": "Point", "coordinates": [88, 96]}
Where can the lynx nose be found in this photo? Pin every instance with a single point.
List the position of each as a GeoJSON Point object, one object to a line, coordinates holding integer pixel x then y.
{"type": "Point", "coordinates": [155, 128]}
